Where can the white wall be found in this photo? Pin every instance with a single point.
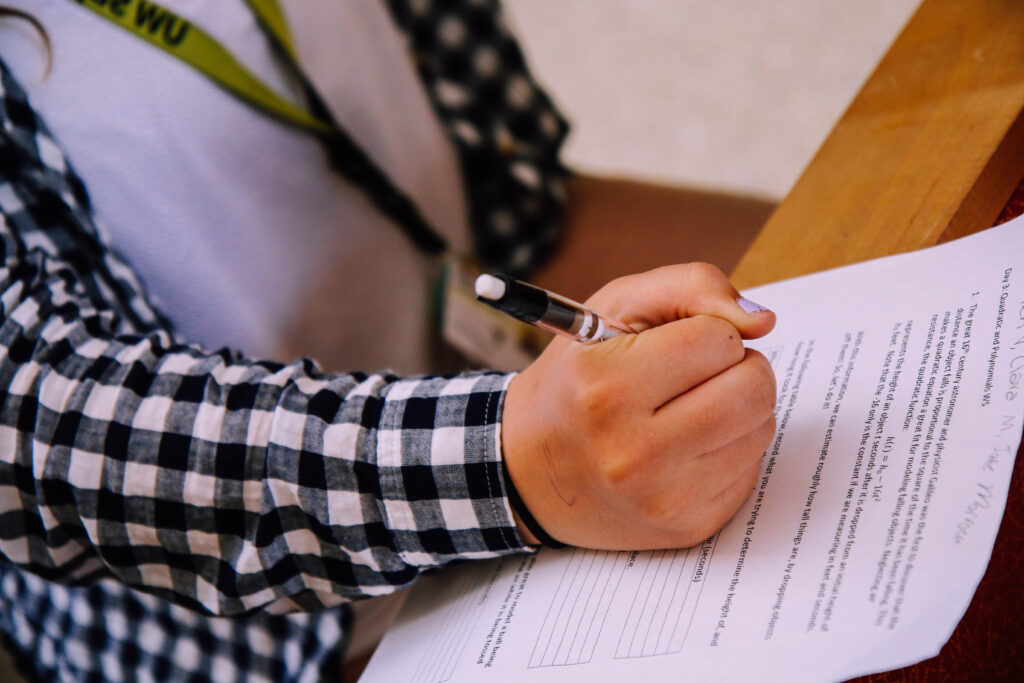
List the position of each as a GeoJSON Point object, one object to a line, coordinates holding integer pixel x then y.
{"type": "Point", "coordinates": [730, 94]}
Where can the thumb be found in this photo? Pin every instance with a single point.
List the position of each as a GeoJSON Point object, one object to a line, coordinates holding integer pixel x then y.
{"type": "Point", "coordinates": [680, 291]}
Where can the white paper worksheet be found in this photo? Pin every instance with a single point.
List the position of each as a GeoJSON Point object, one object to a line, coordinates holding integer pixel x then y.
{"type": "Point", "coordinates": [899, 411]}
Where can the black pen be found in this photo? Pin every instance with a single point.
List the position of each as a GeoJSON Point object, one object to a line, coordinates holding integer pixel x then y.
{"type": "Point", "coordinates": [547, 310]}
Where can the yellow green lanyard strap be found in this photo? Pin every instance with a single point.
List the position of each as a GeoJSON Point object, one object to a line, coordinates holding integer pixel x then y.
{"type": "Point", "coordinates": [180, 38]}
{"type": "Point", "coordinates": [270, 14]}
{"type": "Point", "coordinates": [184, 40]}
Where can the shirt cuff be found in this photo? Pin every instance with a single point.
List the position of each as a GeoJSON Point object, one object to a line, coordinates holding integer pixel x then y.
{"type": "Point", "coordinates": [441, 472]}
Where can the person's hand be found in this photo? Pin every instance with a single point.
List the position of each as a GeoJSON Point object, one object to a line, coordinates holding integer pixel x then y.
{"type": "Point", "coordinates": [649, 440]}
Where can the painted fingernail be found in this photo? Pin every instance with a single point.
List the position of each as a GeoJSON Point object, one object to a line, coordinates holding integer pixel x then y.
{"type": "Point", "coordinates": [749, 306]}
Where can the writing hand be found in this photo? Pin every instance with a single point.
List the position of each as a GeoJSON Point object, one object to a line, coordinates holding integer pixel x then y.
{"type": "Point", "coordinates": [650, 440]}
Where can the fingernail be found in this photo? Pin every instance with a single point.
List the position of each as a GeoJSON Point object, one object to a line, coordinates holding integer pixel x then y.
{"type": "Point", "coordinates": [749, 306]}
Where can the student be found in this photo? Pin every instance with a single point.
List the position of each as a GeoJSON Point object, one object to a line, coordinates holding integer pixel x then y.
{"type": "Point", "coordinates": [171, 509]}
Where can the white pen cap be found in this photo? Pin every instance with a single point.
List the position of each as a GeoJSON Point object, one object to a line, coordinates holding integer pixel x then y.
{"type": "Point", "coordinates": [490, 287]}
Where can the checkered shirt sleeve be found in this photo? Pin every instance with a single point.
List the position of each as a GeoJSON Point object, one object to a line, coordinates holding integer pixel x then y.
{"type": "Point", "coordinates": [217, 482]}
{"type": "Point", "coordinates": [105, 632]}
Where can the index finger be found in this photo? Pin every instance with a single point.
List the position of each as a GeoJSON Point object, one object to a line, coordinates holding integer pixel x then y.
{"type": "Point", "coordinates": [675, 292]}
{"type": "Point", "coordinates": [665, 362]}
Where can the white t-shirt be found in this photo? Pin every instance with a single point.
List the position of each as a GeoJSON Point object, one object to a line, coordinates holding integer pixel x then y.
{"type": "Point", "coordinates": [236, 224]}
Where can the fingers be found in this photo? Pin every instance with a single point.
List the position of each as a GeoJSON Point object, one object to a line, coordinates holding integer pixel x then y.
{"type": "Point", "coordinates": [675, 292]}
{"type": "Point", "coordinates": [717, 412]}
{"type": "Point", "coordinates": [669, 360]}
{"type": "Point", "coordinates": [737, 467]}
{"type": "Point", "coordinates": [708, 490]}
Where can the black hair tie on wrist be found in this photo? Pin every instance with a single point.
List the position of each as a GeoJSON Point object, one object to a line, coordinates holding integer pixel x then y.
{"type": "Point", "coordinates": [524, 514]}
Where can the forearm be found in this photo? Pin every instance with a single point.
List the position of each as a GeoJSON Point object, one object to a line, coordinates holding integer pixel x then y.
{"type": "Point", "coordinates": [219, 482]}
{"type": "Point", "coordinates": [179, 470]}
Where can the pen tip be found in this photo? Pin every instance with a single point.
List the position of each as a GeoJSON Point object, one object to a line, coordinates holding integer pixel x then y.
{"type": "Point", "coordinates": [489, 287]}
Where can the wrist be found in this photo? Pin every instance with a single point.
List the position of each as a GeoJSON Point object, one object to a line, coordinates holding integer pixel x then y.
{"type": "Point", "coordinates": [522, 475]}
{"type": "Point", "coordinates": [523, 530]}
{"type": "Point", "coordinates": [527, 526]}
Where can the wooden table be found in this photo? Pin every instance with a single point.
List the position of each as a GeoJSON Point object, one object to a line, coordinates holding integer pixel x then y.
{"type": "Point", "coordinates": [931, 149]}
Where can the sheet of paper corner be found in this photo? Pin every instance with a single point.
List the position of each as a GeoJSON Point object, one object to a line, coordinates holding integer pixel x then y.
{"type": "Point", "coordinates": [1006, 239]}
{"type": "Point", "coordinates": [821, 302]}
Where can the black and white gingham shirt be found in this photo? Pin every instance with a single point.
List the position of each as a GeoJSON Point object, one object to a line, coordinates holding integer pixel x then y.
{"type": "Point", "coordinates": [167, 513]}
